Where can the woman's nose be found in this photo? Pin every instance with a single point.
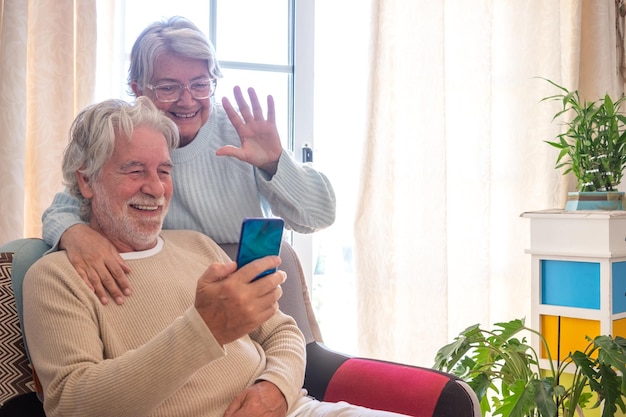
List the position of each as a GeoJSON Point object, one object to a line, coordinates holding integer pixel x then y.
{"type": "Point", "coordinates": [185, 95]}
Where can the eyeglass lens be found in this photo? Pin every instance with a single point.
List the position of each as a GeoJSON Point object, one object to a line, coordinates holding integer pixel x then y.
{"type": "Point", "coordinates": [173, 91]}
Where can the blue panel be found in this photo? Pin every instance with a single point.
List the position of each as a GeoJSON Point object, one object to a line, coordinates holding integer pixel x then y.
{"type": "Point", "coordinates": [570, 284]}
{"type": "Point", "coordinates": [618, 289]}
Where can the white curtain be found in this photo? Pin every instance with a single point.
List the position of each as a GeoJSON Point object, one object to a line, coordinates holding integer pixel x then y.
{"type": "Point", "coordinates": [455, 153]}
{"type": "Point", "coordinates": [454, 149]}
{"type": "Point", "coordinates": [47, 67]}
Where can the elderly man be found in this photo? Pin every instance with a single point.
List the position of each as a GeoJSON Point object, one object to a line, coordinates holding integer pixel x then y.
{"type": "Point", "coordinates": [199, 338]}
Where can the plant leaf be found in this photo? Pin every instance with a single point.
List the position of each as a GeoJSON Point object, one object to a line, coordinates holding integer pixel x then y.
{"type": "Point", "coordinates": [611, 352]}
{"type": "Point", "coordinates": [480, 385]}
{"type": "Point", "coordinates": [447, 357]}
{"type": "Point", "coordinates": [591, 129]}
{"type": "Point", "coordinates": [509, 329]}
{"type": "Point", "coordinates": [520, 403]}
{"type": "Point", "coordinates": [544, 398]}
{"type": "Point", "coordinates": [610, 391]}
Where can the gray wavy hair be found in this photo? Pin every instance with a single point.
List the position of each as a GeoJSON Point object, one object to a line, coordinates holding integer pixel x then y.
{"type": "Point", "coordinates": [93, 134]}
{"type": "Point", "coordinates": [175, 35]}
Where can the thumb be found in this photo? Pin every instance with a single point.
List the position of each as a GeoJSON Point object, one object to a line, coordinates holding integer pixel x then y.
{"type": "Point", "coordinates": [229, 150]}
{"type": "Point", "coordinates": [218, 271]}
{"type": "Point", "coordinates": [235, 405]}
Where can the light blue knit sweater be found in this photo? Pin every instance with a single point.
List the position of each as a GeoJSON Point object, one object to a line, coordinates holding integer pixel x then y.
{"type": "Point", "coordinates": [213, 194]}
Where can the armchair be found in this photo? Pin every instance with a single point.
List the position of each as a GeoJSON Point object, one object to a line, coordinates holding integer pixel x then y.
{"type": "Point", "coordinates": [330, 376]}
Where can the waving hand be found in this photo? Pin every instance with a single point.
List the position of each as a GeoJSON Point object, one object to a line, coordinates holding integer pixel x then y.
{"type": "Point", "coordinates": [260, 142]}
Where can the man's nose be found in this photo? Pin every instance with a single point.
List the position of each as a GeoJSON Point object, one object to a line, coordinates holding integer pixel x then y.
{"type": "Point", "coordinates": [153, 185]}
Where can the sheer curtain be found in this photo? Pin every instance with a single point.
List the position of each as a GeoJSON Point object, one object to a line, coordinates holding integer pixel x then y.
{"type": "Point", "coordinates": [47, 67]}
{"type": "Point", "coordinates": [454, 146]}
{"type": "Point", "coordinates": [455, 153]}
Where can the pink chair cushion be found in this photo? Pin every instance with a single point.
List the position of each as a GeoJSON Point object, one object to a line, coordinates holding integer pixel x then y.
{"type": "Point", "coordinates": [385, 386]}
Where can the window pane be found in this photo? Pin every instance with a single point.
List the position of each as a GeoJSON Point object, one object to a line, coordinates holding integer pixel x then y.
{"type": "Point", "coordinates": [334, 280]}
{"type": "Point", "coordinates": [264, 83]}
{"type": "Point", "coordinates": [253, 31]}
{"type": "Point", "coordinates": [140, 14]}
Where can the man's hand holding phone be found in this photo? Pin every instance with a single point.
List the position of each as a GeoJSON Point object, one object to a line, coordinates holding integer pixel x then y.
{"type": "Point", "coordinates": [230, 306]}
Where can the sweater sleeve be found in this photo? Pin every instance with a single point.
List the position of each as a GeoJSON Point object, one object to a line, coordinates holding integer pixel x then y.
{"type": "Point", "coordinates": [61, 215]}
{"type": "Point", "coordinates": [284, 346]}
{"type": "Point", "coordinates": [299, 194]}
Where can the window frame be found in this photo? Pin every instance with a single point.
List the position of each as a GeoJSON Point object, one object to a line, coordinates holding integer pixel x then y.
{"type": "Point", "coordinates": [300, 70]}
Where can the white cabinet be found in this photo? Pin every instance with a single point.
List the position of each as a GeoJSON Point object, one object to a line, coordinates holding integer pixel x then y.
{"type": "Point", "coordinates": [578, 277]}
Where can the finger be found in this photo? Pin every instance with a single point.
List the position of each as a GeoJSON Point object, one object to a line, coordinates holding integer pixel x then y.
{"type": "Point", "coordinates": [112, 288]}
{"type": "Point", "coordinates": [218, 271]}
{"type": "Point", "coordinates": [257, 111]}
{"type": "Point", "coordinates": [270, 291]}
{"type": "Point", "coordinates": [234, 406]}
{"type": "Point", "coordinates": [273, 281]}
{"type": "Point", "coordinates": [85, 278]}
{"type": "Point", "coordinates": [109, 280]}
{"type": "Point", "coordinates": [254, 268]}
{"type": "Point", "coordinates": [275, 296]}
{"type": "Point", "coordinates": [234, 117]}
{"type": "Point", "coordinates": [268, 304]}
{"type": "Point", "coordinates": [118, 271]}
{"type": "Point", "coordinates": [244, 109]}
{"type": "Point", "coordinates": [271, 112]}
{"type": "Point", "coordinates": [98, 289]}
{"type": "Point", "coordinates": [277, 293]}
{"type": "Point", "coordinates": [230, 150]}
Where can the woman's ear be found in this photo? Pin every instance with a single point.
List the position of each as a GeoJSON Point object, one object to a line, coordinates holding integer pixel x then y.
{"type": "Point", "coordinates": [135, 87]}
{"type": "Point", "coordinates": [84, 185]}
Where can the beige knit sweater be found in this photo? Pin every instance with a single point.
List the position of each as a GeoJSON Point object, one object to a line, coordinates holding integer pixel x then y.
{"type": "Point", "coordinates": [153, 355]}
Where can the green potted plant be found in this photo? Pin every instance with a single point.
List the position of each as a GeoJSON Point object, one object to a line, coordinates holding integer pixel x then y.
{"type": "Point", "coordinates": [503, 370]}
{"type": "Point", "coordinates": [592, 147]}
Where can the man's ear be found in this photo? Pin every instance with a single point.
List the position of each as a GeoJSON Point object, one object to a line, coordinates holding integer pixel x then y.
{"type": "Point", "coordinates": [84, 184]}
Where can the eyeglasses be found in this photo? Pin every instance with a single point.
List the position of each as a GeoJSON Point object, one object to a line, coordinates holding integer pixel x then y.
{"type": "Point", "coordinates": [170, 92]}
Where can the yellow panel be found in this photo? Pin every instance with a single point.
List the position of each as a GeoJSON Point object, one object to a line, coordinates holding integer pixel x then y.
{"type": "Point", "coordinates": [619, 328]}
{"type": "Point", "coordinates": [573, 332]}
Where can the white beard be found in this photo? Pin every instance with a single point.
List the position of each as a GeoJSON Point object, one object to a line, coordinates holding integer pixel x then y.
{"type": "Point", "coordinates": [124, 226]}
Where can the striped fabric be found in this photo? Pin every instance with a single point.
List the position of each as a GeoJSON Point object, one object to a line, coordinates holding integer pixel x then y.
{"type": "Point", "coordinates": [15, 372]}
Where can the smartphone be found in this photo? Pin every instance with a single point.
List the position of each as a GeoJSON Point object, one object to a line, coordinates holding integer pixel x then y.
{"type": "Point", "coordinates": [260, 236]}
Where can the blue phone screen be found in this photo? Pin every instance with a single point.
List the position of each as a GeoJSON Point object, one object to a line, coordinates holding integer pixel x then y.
{"type": "Point", "coordinates": [259, 237]}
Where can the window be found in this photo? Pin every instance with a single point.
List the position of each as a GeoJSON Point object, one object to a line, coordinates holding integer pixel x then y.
{"type": "Point", "coordinates": [271, 47]}
{"type": "Point", "coordinates": [261, 57]}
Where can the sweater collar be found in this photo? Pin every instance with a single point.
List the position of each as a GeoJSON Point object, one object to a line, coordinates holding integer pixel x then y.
{"type": "Point", "coordinates": [144, 253]}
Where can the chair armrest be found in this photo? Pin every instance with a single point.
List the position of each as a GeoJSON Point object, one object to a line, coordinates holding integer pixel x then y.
{"type": "Point", "coordinates": [321, 365]}
{"type": "Point", "coordinates": [23, 405]}
{"type": "Point", "coordinates": [388, 386]}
